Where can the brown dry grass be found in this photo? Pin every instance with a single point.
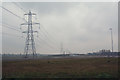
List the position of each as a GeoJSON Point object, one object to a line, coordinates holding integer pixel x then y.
{"type": "Point", "coordinates": [61, 68]}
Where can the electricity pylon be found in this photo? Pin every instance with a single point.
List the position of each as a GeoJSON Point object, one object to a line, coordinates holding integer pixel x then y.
{"type": "Point", "coordinates": [111, 39]}
{"type": "Point", "coordinates": [61, 51]}
{"type": "Point", "coordinates": [30, 43]}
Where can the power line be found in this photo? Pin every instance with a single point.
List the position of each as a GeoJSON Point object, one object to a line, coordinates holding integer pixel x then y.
{"type": "Point", "coordinates": [12, 13]}
{"type": "Point", "coordinates": [19, 6]}
{"type": "Point", "coordinates": [47, 34]}
{"type": "Point", "coordinates": [5, 25]}
{"type": "Point", "coordinates": [8, 34]}
{"type": "Point", "coordinates": [42, 46]}
{"type": "Point", "coordinates": [9, 26]}
{"type": "Point", "coordinates": [46, 43]}
{"type": "Point", "coordinates": [48, 37]}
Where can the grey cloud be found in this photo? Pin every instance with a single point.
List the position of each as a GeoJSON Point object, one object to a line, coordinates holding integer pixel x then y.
{"type": "Point", "coordinates": [82, 27]}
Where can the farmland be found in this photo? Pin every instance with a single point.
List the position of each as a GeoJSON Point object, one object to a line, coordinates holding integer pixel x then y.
{"type": "Point", "coordinates": [61, 68]}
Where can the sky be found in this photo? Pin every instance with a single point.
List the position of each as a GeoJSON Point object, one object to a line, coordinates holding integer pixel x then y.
{"type": "Point", "coordinates": [81, 27]}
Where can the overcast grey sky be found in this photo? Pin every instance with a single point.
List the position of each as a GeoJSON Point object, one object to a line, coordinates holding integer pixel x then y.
{"type": "Point", "coordinates": [81, 27]}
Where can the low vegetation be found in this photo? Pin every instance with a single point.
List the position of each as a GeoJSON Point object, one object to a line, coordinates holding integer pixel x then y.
{"type": "Point", "coordinates": [62, 68]}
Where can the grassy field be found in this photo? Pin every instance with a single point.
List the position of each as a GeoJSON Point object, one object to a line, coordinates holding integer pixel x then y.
{"type": "Point", "coordinates": [62, 68]}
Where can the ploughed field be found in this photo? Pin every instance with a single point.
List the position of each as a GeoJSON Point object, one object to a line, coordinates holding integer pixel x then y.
{"type": "Point", "coordinates": [61, 68]}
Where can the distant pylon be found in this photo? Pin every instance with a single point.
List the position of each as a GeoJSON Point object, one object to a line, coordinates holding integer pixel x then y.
{"type": "Point", "coordinates": [111, 39]}
{"type": "Point", "coordinates": [30, 43]}
{"type": "Point", "coordinates": [61, 51]}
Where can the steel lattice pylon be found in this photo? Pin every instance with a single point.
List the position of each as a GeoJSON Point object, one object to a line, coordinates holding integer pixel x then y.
{"type": "Point", "coordinates": [30, 43]}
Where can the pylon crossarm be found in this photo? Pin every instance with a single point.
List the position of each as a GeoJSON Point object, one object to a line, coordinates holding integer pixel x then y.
{"type": "Point", "coordinates": [30, 23]}
{"type": "Point", "coordinates": [35, 31]}
{"type": "Point", "coordinates": [31, 14]}
{"type": "Point", "coordinates": [24, 32]}
{"type": "Point", "coordinates": [24, 24]}
{"type": "Point", "coordinates": [27, 31]}
{"type": "Point", "coordinates": [35, 23]}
